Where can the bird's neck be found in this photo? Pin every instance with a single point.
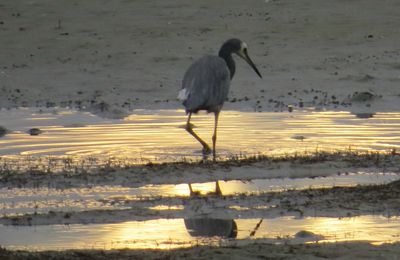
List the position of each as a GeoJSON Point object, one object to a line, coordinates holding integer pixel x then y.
{"type": "Point", "coordinates": [227, 56]}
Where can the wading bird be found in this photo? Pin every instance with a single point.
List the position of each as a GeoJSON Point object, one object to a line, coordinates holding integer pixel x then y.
{"type": "Point", "coordinates": [205, 85]}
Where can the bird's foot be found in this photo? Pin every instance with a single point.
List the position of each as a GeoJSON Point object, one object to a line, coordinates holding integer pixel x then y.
{"type": "Point", "coordinates": [206, 150]}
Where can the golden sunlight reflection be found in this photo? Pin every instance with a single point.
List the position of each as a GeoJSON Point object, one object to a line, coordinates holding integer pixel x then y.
{"type": "Point", "coordinates": [374, 229]}
{"type": "Point", "coordinates": [159, 135]}
{"type": "Point", "coordinates": [175, 233]}
{"type": "Point", "coordinates": [163, 233]}
{"type": "Point", "coordinates": [204, 188]}
{"type": "Point", "coordinates": [19, 201]}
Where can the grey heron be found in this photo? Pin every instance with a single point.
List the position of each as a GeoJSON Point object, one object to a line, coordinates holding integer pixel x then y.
{"type": "Point", "coordinates": [206, 83]}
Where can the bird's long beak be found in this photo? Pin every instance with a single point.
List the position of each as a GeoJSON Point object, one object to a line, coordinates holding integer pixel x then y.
{"type": "Point", "coordinates": [243, 54]}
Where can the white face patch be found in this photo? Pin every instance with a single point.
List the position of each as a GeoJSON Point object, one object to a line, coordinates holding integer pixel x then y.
{"type": "Point", "coordinates": [243, 46]}
{"type": "Point", "coordinates": [241, 52]}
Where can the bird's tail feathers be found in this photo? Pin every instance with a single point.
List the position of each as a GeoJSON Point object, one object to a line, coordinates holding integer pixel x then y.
{"type": "Point", "coordinates": [183, 94]}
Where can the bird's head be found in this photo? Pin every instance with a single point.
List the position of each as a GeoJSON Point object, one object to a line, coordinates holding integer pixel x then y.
{"type": "Point", "coordinates": [239, 48]}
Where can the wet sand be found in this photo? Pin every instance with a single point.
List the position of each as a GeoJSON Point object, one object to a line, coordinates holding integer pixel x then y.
{"type": "Point", "coordinates": [118, 56]}
{"type": "Point", "coordinates": [253, 251]}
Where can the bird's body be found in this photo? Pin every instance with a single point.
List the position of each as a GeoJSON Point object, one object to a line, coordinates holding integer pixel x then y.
{"type": "Point", "coordinates": [206, 83]}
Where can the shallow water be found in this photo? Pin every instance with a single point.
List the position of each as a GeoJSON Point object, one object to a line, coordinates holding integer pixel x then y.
{"type": "Point", "coordinates": [173, 233]}
{"type": "Point", "coordinates": [159, 135]}
{"type": "Point", "coordinates": [18, 201]}
{"type": "Point", "coordinates": [73, 139]}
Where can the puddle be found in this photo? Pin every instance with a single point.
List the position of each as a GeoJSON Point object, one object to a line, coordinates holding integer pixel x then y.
{"type": "Point", "coordinates": [18, 201]}
{"type": "Point", "coordinates": [174, 233]}
{"type": "Point", "coordinates": [158, 135]}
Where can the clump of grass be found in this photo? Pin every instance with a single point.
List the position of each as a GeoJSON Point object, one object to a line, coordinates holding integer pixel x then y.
{"type": "Point", "coordinates": [77, 165]}
{"type": "Point", "coordinates": [352, 158]}
{"type": "Point", "coordinates": [3, 131]}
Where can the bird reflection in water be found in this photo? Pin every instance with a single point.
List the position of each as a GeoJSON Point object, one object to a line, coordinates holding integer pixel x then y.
{"type": "Point", "coordinates": [217, 191]}
{"type": "Point", "coordinates": [209, 227]}
{"type": "Point", "coordinates": [213, 227]}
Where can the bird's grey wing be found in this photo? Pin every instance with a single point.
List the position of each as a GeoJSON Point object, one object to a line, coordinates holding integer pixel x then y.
{"type": "Point", "coordinates": [206, 84]}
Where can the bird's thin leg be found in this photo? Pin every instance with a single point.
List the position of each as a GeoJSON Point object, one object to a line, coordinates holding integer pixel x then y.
{"type": "Point", "coordinates": [206, 148]}
{"type": "Point", "coordinates": [214, 137]}
{"type": "Point", "coordinates": [218, 190]}
{"type": "Point", "coordinates": [191, 190]}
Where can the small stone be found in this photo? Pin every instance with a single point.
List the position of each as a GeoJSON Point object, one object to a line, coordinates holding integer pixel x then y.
{"type": "Point", "coordinates": [299, 137]}
{"type": "Point", "coordinates": [35, 131]}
